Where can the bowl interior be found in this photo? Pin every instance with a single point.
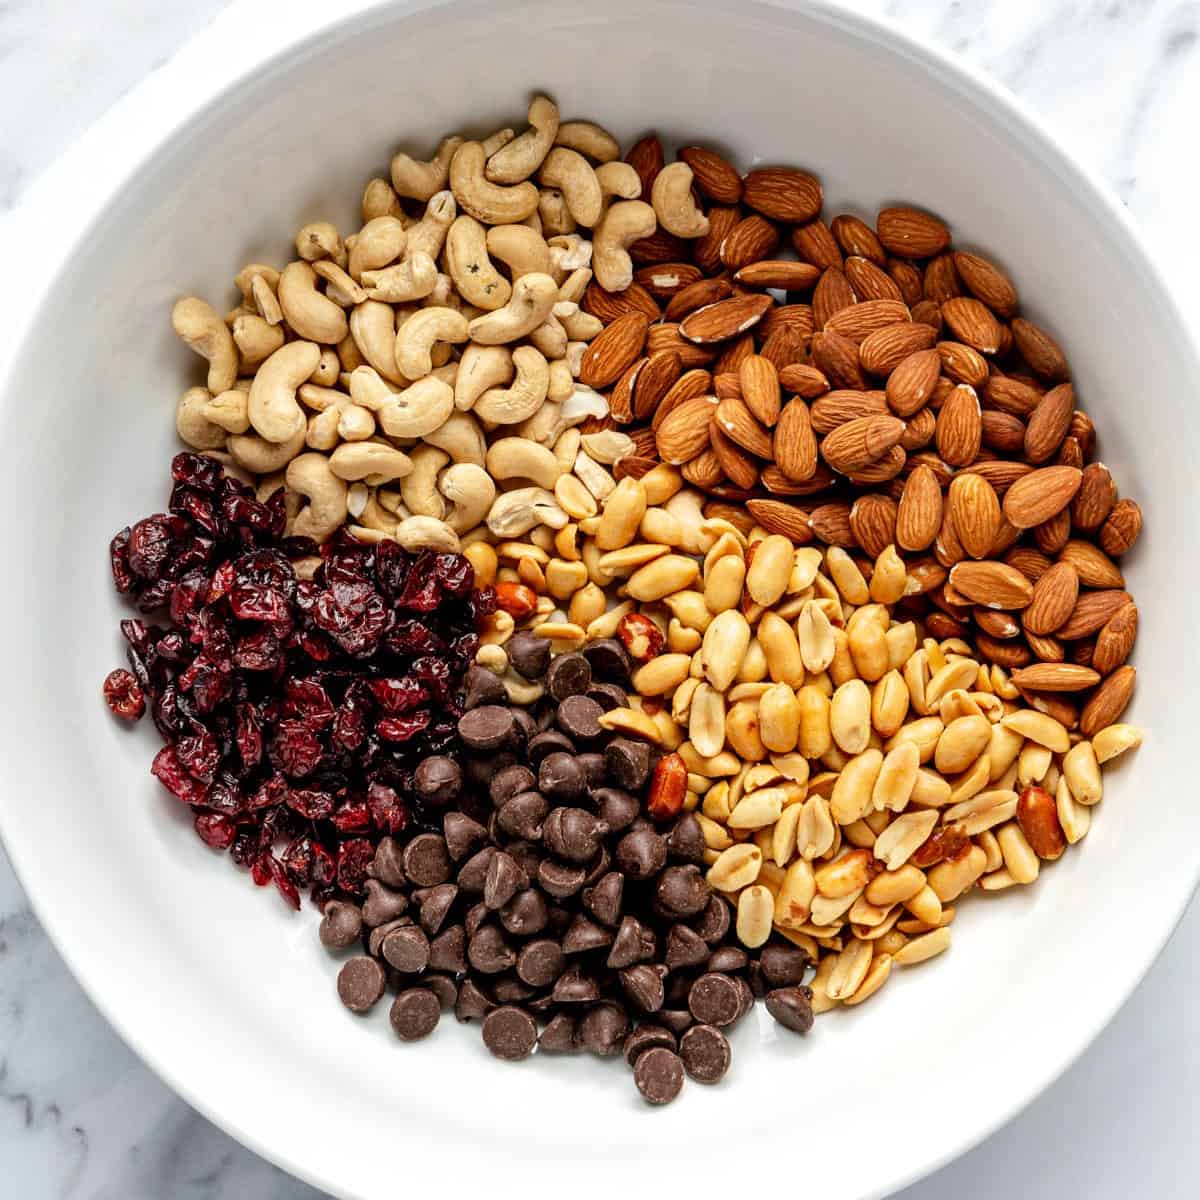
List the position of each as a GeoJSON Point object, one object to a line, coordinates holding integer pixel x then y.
{"type": "Point", "coordinates": [229, 994]}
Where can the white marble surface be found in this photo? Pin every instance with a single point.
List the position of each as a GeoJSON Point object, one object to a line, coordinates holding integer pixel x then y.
{"type": "Point", "coordinates": [81, 1117]}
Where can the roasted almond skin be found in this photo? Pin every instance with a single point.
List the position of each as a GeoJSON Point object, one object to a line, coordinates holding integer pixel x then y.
{"type": "Point", "coordinates": [911, 233]}
{"type": "Point", "coordinates": [1055, 594]}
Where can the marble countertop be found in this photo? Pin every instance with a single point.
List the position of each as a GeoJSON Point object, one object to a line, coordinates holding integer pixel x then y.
{"type": "Point", "coordinates": [82, 1117]}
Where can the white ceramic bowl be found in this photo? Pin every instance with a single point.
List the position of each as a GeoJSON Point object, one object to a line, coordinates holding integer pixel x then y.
{"type": "Point", "coordinates": [226, 993]}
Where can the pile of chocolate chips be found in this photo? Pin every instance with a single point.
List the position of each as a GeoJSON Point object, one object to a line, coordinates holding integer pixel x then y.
{"type": "Point", "coordinates": [550, 908]}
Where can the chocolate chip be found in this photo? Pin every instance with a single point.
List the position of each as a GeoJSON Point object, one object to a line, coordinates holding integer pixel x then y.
{"type": "Point", "coordinates": [608, 695]}
{"type": "Point", "coordinates": [503, 881]}
{"type": "Point", "coordinates": [686, 839]}
{"type": "Point", "coordinates": [462, 835]}
{"type": "Point", "coordinates": [560, 879]}
{"type": "Point", "coordinates": [560, 776]}
{"type": "Point", "coordinates": [472, 875]}
{"type": "Point", "coordinates": [572, 834]}
{"type": "Point", "coordinates": [526, 726]}
{"type": "Point", "coordinates": [633, 943]}
{"type": "Point", "coordinates": [489, 727]}
{"type": "Point", "coordinates": [713, 923]}
{"type": "Point", "coordinates": [488, 952]}
{"type": "Point", "coordinates": [438, 781]}
{"type": "Point", "coordinates": [705, 1052]}
{"type": "Point", "coordinates": [483, 687]}
{"type": "Point", "coordinates": [574, 987]}
{"type": "Point", "coordinates": [509, 1033]}
{"type": "Point", "coordinates": [341, 925]}
{"type": "Point", "coordinates": [476, 918]}
{"type": "Point", "coordinates": [729, 960]}
{"type": "Point", "coordinates": [682, 891]}
{"type": "Point", "coordinates": [540, 962]}
{"type": "Point", "coordinates": [685, 948]}
{"type": "Point", "coordinates": [559, 1036]}
{"type": "Point", "coordinates": [783, 966]}
{"type": "Point", "coordinates": [658, 1074]}
{"type": "Point", "coordinates": [579, 718]}
{"type": "Point", "coordinates": [603, 899]}
{"type": "Point", "coordinates": [583, 935]}
{"type": "Point", "coordinates": [549, 741]}
{"type": "Point", "coordinates": [509, 782]}
{"type": "Point", "coordinates": [615, 807]}
{"type": "Point", "coordinates": [628, 763]}
{"type": "Point", "coordinates": [427, 860]}
{"type": "Point", "coordinates": [792, 1008]}
{"type": "Point", "coordinates": [435, 903]}
{"type": "Point", "coordinates": [472, 1003]}
{"type": "Point", "coordinates": [745, 997]}
{"type": "Point", "coordinates": [407, 949]}
{"type": "Point", "coordinates": [609, 659]}
{"type": "Point", "coordinates": [512, 991]}
{"type": "Point", "coordinates": [675, 1019]}
{"type": "Point", "coordinates": [641, 854]}
{"type": "Point", "coordinates": [714, 999]}
{"type": "Point", "coordinates": [568, 675]}
{"type": "Point", "coordinates": [375, 941]}
{"type": "Point", "coordinates": [415, 1014]}
{"type": "Point", "coordinates": [646, 1037]}
{"type": "Point", "coordinates": [758, 985]}
{"type": "Point", "coordinates": [525, 914]}
{"type": "Point", "coordinates": [360, 983]}
{"type": "Point", "coordinates": [643, 985]}
{"type": "Point", "coordinates": [387, 866]}
{"type": "Point", "coordinates": [528, 654]}
{"type": "Point", "coordinates": [527, 855]}
{"type": "Point", "coordinates": [594, 769]}
{"type": "Point", "coordinates": [603, 1029]}
{"type": "Point", "coordinates": [382, 904]}
{"type": "Point", "coordinates": [443, 987]}
{"type": "Point", "coordinates": [522, 816]}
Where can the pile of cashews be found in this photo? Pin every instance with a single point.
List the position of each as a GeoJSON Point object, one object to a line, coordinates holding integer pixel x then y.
{"type": "Point", "coordinates": [417, 379]}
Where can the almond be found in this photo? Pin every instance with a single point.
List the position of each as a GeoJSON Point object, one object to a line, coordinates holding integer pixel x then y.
{"type": "Point", "coordinates": [870, 282]}
{"type": "Point", "coordinates": [613, 350]}
{"type": "Point", "coordinates": [643, 442]}
{"type": "Point", "coordinates": [959, 427]}
{"type": "Point", "coordinates": [696, 295]}
{"type": "Point", "coordinates": [738, 423]}
{"type": "Point", "coordinates": [911, 233]}
{"type": "Point", "coordinates": [1052, 535]}
{"type": "Point", "coordinates": [1094, 567]}
{"type": "Point", "coordinates": [814, 243]}
{"type": "Point", "coordinates": [796, 317]}
{"type": "Point", "coordinates": [733, 354]}
{"type": "Point", "coordinates": [1093, 610]}
{"type": "Point", "coordinates": [1011, 395]}
{"type": "Point", "coordinates": [706, 251]}
{"type": "Point", "coordinates": [1033, 564]}
{"type": "Point", "coordinates": [837, 358]}
{"type": "Point", "coordinates": [657, 376]}
{"type": "Point", "coordinates": [748, 241]}
{"type": "Point", "coordinates": [760, 388]}
{"type": "Point", "coordinates": [1037, 816]}
{"type": "Point", "coordinates": [608, 306]}
{"type": "Point", "coordinates": [972, 322]}
{"type": "Point", "coordinates": [620, 399]}
{"type": "Point", "coordinates": [684, 432]}
{"type": "Point", "coordinates": [858, 320]}
{"type": "Point", "coordinates": [659, 247]}
{"type": "Point", "coordinates": [1041, 495]}
{"type": "Point", "coordinates": [782, 273]}
{"type": "Point", "coordinates": [974, 511]}
{"type": "Point", "coordinates": [724, 320]}
{"type": "Point", "coordinates": [928, 313]}
{"type": "Point", "coordinates": [703, 471]}
{"type": "Point", "coordinates": [963, 363]}
{"type": "Point", "coordinates": [1002, 651]}
{"type": "Point", "coordinates": [919, 430]}
{"type": "Point", "coordinates": [873, 522]}
{"type": "Point", "coordinates": [883, 351]}
{"type": "Point", "coordinates": [1083, 431]}
{"type": "Point", "coordinates": [919, 514]}
{"type": "Point", "coordinates": [1055, 592]}
{"type": "Point", "coordinates": [1003, 432]}
{"type": "Point", "coordinates": [727, 385]}
{"type": "Point", "coordinates": [633, 466]}
{"type": "Point", "coordinates": [777, 483]}
{"type": "Point", "coordinates": [949, 550]}
{"type": "Point", "coordinates": [1001, 473]}
{"type": "Point", "coordinates": [1040, 351]}
{"type": "Point", "coordinates": [1048, 423]}
{"type": "Point", "coordinates": [715, 176]}
{"type": "Point", "coordinates": [1048, 649]}
{"type": "Point", "coordinates": [1108, 702]}
{"type": "Point", "coordinates": [665, 336]}
{"type": "Point", "coordinates": [1115, 640]}
{"type": "Point", "coordinates": [776, 516]}
{"type": "Point", "coordinates": [992, 584]}
{"type": "Point", "coordinates": [857, 238]}
{"type": "Point", "coordinates": [832, 294]}
{"type": "Point", "coordinates": [854, 444]}
{"type": "Point", "coordinates": [845, 404]}
{"type": "Point", "coordinates": [986, 281]}
{"type": "Point", "coordinates": [738, 466]}
{"type": "Point", "coordinates": [880, 470]}
{"type": "Point", "coordinates": [783, 193]}
{"type": "Point", "coordinates": [697, 382]}
{"type": "Point", "coordinates": [794, 444]}
{"type": "Point", "coordinates": [663, 280]}
{"type": "Point", "coordinates": [783, 346]}
{"type": "Point", "coordinates": [646, 158]}
{"type": "Point", "coordinates": [1055, 677]}
{"type": "Point", "coordinates": [831, 523]}
{"type": "Point", "coordinates": [907, 278]}
{"type": "Point", "coordinates": [1121, 528]}
{"type": "Point", "coordinates": [805, 380]}
{"type": "Point", "coordinates": [911, 383]}
{"type": "Point", "coordinates": [940, 281]}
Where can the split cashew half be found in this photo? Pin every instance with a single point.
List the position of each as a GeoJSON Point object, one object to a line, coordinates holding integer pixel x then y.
{"type": "Point", "coordinates": [357, 460]}
{"type": "Point", "coordinates": [480, 368]}
{"type": "Point", "coordinates": [573, 175]}
{"type": "Point", "coordinates": [418, 410]}
{"type": "Point", "coordinates": [522, 250]}
{"type": "Point", "coordinates": [533, 296]}
{"type": "Point", "coordinates": [201, 328]}
{"type": "Point", "coordinates": [373, 328]}
{"type": "Point", "coordinates": [229, 410]}
{"type": "Point", "coordinates": [517, 512]}
{"type": "Point", "coordinates": [379, 242]}
{"type": "Point", "coordinates": [507, 406]}
{"type": "Point", "coordinates": [310, 475]}
{"type": "Point", "coordinates": [273, 409]}
{"type": "Point", "coordinates": [309, 312]}
{"type": "Point", "coordinates": [256, 338]}
{"type": "Point", "coordinates": [419, 180]}
{"type": "Point", "coordinates": [588, 138]}
{"type": "Point", "coordinates": [425, 533]}
{"type": "Point", "coordinates": [419, 487]}
{"type": "Point", "coordinates": [626, 222]}
{"type": "Point", "coordinates": [523, 155]}
{"type": "Point", "coordinates": [471, 491]}
{"type": "Point", "coordinates": [461, 438]}
{"type": "Point", "coordinates": [477, 280]}
{"type": "Point", "coordinates": [320, 239]}
{"type": "Point", "coordinates": [193, 424]}
{"type": "Point", "coordinates": [674, 205]}
{"type": "Point", "coordinates": [484, 200]}
{"type": "Point", "coordinates": [413, 279]}
{"type": "Point", "coordinates": [519, 458]}
{"type": "Point", "coordinates": [417, 337]}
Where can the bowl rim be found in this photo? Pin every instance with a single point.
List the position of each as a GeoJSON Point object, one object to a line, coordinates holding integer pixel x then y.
{"type": "Point", "coordinates": [320, 31]}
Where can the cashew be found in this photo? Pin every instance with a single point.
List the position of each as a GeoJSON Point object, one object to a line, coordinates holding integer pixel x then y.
{"type": "Point", "coordinates": [419, 180]}
{"type": "Point", "coordinates": [342, 289]}
{"type": "Point", "coordinates": [522, 156]}
{"type": "Point", "coordinates": [203, 331]}
{"type": "Point", "coordinates": [379, 242]}
{"type": "Point", "coordinates": [262, 457]}
{"type": "Point", "coordinates": [461, 438]}
{"type": "Point", "coordinates": [521, 691]}
{"type": "Point", "coordinates": [588, 138]}
{"type": "Point", "coordinates": [193, 426]}
{"type": "Point", "coordinates": [447, 373]}
{"type": "Point", "coordinates": [608, 445]}
{"type": "Point", "coordinates": [550, 338]}
{"type": "Point", "coordinates": [573, 175]}
{"type": "Point", "coordinates": [626, 222]}
{"type": "Point", "coordinates": [441, 294]}
{"type": "Point", "coordinates": [424, 533]}
{"type": "Point", "coordinates": [328, 369]}
{"type": "Point", "coordinates": [471, 491]}
{"type": "Point", "coordinates": [562, 383]}
{"type": "Point", "coordinates": [419, 486]}
{"type": "Point", "coordinates": [566, 449]}
{"type": "Point", "coordinates": [255, 338]}
{"type": "Point", "coordinates": [379, 199]}
{"type": "Point", "coordinates": [569, 251]}
{"type": "Point", "coordinates": [310, 475]}
{"type": "Point", "coordinates": [268, 279]}
{"type": "Point", "coordinates": [274, 412]}
{"type": "Point", "coordinates": [471, 269]}
{"type": "Point", "coordinates": [581, 326]}
{"type": "Point", "coordinates": [574, 357]}
{"type": "Point", "coordinates": [357, 460]}
{"type": "Point", "coordinates": [494, 141]}
{"type": "Point", "coordinates": [575, 284]}
{"type": "Point", "coordinates": [674, 205]}
{"type": "Point", "coordinates": [533, 296]}
{"type": "Point", "coordinates": [484, 200]}
{"type": "Point", "coordinates": [374, 516]}
{"type": "Point", "coordinates": [311, 314]}
{"type": "Point", "coordinates": [685, 507]}
{"type": "Point", "coordinates": [413, 279]}
{"type": "Point", "coordinates": [229, 410]}
{"type": "Point", "coordinates": [357, 497]}
{"type": "Point", "coordinates": [619, 179]}
{"type": "Point", "coordinates": [418, 410]}
{"type": "Point", "coordinates": [429, 232]}
{"type": "Point", "coordinates": [593, 476]}
{"type": "Point", "coordinates": [518, 458]}
{"type": "Point", "coordinates": [320, 239]}
{"type": "Point", "coordinates": [320, 399]}
{"type": "Point", "coordinates": [523, 250]}
{"type": "Point", "coordinates": [507, 406]}
{"type": "Point", "coordinates": [373, 328]}
{"type": "Point", "coordinates": [417, 336]}
{"type": "Point", "coordinates": [355, 424]}
{"type": "Point", "coordinates": [556, 216]}
{"type": "Point", "coordinates": [583, 403]}
{"type": "Point", "coordinates": [368, 389]}
{"type": "Point", "coordinates": [480, 368]}
{"type": "Point", "coordinates": [322, 432]}
{"type": "Point", "coordinates": [517, 512]}
{"type": "Point", "coordinates": [348, 354]}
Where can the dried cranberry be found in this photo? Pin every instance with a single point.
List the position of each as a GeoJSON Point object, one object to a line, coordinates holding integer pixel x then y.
{"type": "Point", "coordinates": [324, 868]}
{"type": "Point", "coordinates": [400, 729]}
{"type": "Point", "coordinates": [409, 636]}
{"type": "Point", "coordinates": [199, 754]}
{"type": "Point", "coordinates": [295, 749]}
{"type": "Point", "coordinates": [151, 541]}
{"type": "Point", "coordinates": [118, 557]}
{"type": "Point", "coordinates": [260, 870]}
{"type": "Point", "coordinates": [123, 695]}
{"type": "Point", "coordinates": [399, 695]}
{"type": "Point", "coordinates": [388, 814]}
{"type": "Point", "coordinates": [352, 817]}
{"type": "Point", "coordinates": [140, 635]}
{"type": "Point", "coordinates": [196, 470]}
{"type": "Point", "coordinates": [157, 595]}
{"type": "Point", "coordinates": [221, 582]}
{"type": "Point", "coordinates": [245, 848]}
{"type": "Point", "coordinates": [258, 651]}
{"type": "Point", "coordinates": [190, 592]}
{"type": "Point", "coordinates": [172, 774]}
{"type": "Point", "coordinates": [434, 673]}
{"type": "Point", "coordinates": [353, 859]}
{"type": "Point", "coordinates": [216, 830]}
{"type": "Point", "coordinates": [245, 510]}
{"type": "Point", "coordinates": [311, 804]}
{"type": "Point", "coordinates": [198, 508]}
{"type": "Point", "coordinates": [285, 887]}
{"type": "Point", "coordinates": [455, 574]}
{"type": "Point", "coordinates": [423, 589]}
{"type": "Point", "coordinates": [248, 735]}
{"type": "Point", "coordinates": [254, 602]}
{"type": "Point", "coordinates": [171, 648]}
{"type": "Point", "coordinates": [307, 701]}
{"type": "Point", "coordinates": [297, 861]}
{"type": "Point", "coordinates": [271, 793]}
{"type": "Point", "coordinates": [224, 795]}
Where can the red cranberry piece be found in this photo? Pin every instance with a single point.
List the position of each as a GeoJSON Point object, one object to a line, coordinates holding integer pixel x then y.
{"type": "Point", "coordinates": [310, 803]}
{"type": "Point", "coordinates": [118, 558]}
{"type": "Point", "coordinates": [455, 574]}
{"type": "Point", "coordinates": [409, 636]}
{"type": "Point", "coordinates": [352, 817]}
{"type": "Point", "coordinates": [353, 859]}
{"type": "Point", "coordinates": [307, 701]}
{"type": "Point", "coordinates": [221, 582]}
{"type": "Point", "coordinates": [253, 602]}
{"type": "Point", "coordinates": [216, 830]}
{"type": "Point", "coordinates": [324, 868]}
{"type": "Point", "coordinates": [170, 772]}
{"type": "Point", "coordinates": [285, 887]}
{"type": "Point", "coordinates": [196, 470]}
{"type": "Point", "coordinates": [388, 813]}
{"type": "Point", "coordinates": [259, 651]}
{"type": "Point", "coordinates": [273, 792]}
{"type": "Point", "coordinates": [297, 861]}
{"type": "Point", "coordinates": [248, 735]}
{"type": "Point", "coordinates": [260, 871]}
{"type": "Point", "coordinates": [398, 695]}
{"type": "Point", "coordinates": [400, 729]}
{"type": "Point", "coordinates": [123, 695]}
{"type": "Point", "coordinates": [295, 749]}
{"type": "Point", "coordinates": [199, 754]}
{"type": "Point", "coordinates": [151, 541]}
